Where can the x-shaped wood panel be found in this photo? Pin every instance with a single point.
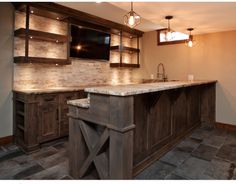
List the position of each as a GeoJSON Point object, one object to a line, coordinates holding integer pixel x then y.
{"type": "Point", "coordinates": [94, 142]}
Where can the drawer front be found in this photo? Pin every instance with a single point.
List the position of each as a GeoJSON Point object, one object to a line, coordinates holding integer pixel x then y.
{"type": "Point", "coordinates": [49, 98]}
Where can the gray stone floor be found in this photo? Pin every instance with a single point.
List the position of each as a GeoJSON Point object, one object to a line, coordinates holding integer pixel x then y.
{"type": "Point", "coordinates": [205, 154]}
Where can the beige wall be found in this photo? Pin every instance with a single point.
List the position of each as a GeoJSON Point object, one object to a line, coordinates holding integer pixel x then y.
{"type": "Point", "coordinates": [213, 57]}
{"type": "Point", "coordinates": [6, 68]}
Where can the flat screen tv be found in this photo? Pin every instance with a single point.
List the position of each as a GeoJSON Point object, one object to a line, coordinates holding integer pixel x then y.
{"type": "Point", "coordinates": [89, 43]}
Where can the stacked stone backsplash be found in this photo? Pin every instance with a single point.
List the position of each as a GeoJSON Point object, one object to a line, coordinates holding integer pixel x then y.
{"type": "Point", "coordinates": [80, 72]}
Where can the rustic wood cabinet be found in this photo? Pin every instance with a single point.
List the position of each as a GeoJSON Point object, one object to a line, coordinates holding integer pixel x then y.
{"type": "Point", "coordinates": [164, 117]}
{"type": "Point", "coordinates": [133, 131]}
{"type": "Point", "coordinates": [39, 118]}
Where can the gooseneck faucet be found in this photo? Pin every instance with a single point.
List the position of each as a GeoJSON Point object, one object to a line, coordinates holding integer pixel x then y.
{"type": "Point", "coordinates": [161, 75]}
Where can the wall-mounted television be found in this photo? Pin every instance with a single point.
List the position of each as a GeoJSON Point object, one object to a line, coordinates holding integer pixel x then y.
{"type": "Point", "coordinates": [89, 43]}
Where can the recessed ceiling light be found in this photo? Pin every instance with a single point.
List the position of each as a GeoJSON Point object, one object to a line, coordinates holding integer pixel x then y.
{"type": "Point", "coordinates": [57, 41]}
{"type": "Point", "coordinates": [31, 37]}
{"type": "Point", "coordinates": [31, 11]}
{"type": "Point", "coordinates": [58, 18]}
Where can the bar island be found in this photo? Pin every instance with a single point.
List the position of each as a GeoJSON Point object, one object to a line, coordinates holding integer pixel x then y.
{"type": "Point", "coordinates": [120, 130]}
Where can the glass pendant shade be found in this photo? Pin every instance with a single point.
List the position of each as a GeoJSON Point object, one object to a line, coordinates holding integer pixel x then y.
{"type": "Point", "coordinates": [169, 33]}
{"type": "Point", "coordinates": [190, 42]}
{"type": "Point", "coordinates": [132, 19]}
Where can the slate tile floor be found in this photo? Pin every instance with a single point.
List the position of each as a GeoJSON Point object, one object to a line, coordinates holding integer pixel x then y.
{"type": "Point", "coordinates": [205, 154]}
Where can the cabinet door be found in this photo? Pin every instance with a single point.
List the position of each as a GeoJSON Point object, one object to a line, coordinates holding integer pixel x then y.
{"type": "Point", "coordinates": [193, 106]}
{"type": "Point", "coordinates": [48, 121]}
{"type": "Point", "coordinates": [159, 121]}
{"type": "Point", "coordinates": [64, 109]}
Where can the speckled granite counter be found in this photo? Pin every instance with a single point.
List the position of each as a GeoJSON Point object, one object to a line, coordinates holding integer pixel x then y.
{"type": "Point", "coordinates": [134, 89]}
{"type": "Point", "coordinates": [53, 90]}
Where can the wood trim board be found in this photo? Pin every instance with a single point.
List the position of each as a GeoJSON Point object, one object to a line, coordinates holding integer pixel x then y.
{"type": "Point", "coordinates": [6, 140]}
{"type": "Point", "coordinates": [225, 126]}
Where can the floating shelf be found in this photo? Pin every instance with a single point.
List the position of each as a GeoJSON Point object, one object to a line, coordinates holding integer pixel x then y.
{"type": "Point", "coordinates": [124, 65]}
{"type": "Point", "coordinates": [124, 34]}
{"type": "Point", "coordinates": [129, 50]}
{"type": "Point", "coordinates": [41, 12]}
{"type": "Point", "coordinates": [40, 35]}
{"type": "Point", "coordinates": [23, 59]}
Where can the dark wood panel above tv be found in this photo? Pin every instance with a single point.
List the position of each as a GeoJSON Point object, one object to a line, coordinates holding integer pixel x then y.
{"type": "Point", "coordinates": [68, 13]}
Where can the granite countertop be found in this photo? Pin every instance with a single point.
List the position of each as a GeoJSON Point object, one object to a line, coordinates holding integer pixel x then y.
{"type": "Point", "coordinates": [53, 90]}
{"type": "Point", "coordinates": [134, 89]}
{"type": "Point", "coordinates": [83, 103]}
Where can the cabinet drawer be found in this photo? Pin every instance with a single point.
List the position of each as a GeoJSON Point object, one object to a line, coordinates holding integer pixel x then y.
{"type": "Point", "coordinates": [49, 98]}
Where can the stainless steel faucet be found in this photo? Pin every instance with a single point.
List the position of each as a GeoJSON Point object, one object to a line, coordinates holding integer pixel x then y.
{"type": "Point", "coordinates": [161, 76]}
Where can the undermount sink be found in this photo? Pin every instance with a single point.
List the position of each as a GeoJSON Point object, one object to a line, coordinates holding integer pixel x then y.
{"type": "Point", "coordinates": [156, 80]}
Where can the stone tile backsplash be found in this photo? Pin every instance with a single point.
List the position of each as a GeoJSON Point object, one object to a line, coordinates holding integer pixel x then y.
{"type": "Point", "coordinates": [80, 72]}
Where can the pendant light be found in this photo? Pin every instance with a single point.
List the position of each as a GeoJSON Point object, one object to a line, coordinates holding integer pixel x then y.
{"type": "Point", "coordinates": [169, 33]}
{"type": "Point", "coordinates": [190, 42]}
{"type": "Point", "coordinates": [132, 19]}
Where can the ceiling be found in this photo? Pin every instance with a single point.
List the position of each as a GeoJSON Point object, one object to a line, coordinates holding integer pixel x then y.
{"type": "Point", "coordinates": [204, 17]}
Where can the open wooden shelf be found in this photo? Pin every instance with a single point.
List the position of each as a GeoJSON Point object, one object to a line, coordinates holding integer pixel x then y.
{"type": "Point", "coordinates": [43, 12]}
{"type": "Point", "coordinates": [129, 50]}
{"type": "Point", "coordinates": [40, 35]}
{"type": "Point", "coordinates": [124, 65]}
{"type": "Point", "coordinates": [23, 59]}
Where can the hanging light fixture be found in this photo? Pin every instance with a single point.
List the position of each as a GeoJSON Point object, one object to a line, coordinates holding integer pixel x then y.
{"type": "Point", "coordinates": [132, 19]}
{"type": "Point", "coordinates": [190, 42]}
{"type": "Point", "coordinates": [169, 33]}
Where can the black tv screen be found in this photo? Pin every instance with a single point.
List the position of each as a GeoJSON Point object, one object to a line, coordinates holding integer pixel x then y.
{"type": "Point", "coordinates": [89, 44]}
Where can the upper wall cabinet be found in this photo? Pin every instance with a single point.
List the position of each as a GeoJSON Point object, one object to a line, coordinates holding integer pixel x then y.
{"type": "Point", "coordinates": [41, 36]}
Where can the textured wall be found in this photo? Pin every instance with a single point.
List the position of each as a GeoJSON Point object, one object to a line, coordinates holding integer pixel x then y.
{"type": "Point", "coordinates": [81, 72]}
{"type": "Point", "coordinates": [6, 68]}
